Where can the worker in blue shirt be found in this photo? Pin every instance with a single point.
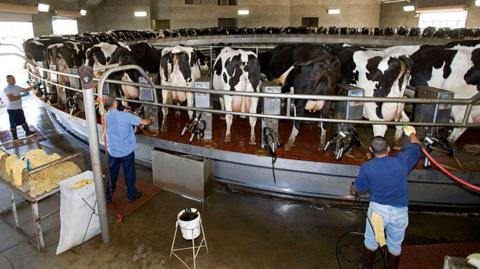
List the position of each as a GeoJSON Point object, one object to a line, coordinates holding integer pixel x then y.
{"type": "Point", "coordinates": [121, 147]}
{"type": "Point", "coordinates": [385, 178]}
{"type": "Point", "coordinates": [14, 109]}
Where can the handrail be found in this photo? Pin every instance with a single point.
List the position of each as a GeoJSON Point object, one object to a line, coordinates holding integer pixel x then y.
{"type": "Point", "coordinates": [473, 100]}
{"type": "Point", "coordinates": [469, 103]}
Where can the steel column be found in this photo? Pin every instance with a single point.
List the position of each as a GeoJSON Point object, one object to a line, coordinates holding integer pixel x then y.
{"type": "Point", "coordinates": [86, 75]}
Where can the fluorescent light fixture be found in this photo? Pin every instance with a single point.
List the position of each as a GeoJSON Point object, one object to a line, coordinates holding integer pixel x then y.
{"type": "Point", "coordinates": [409, 8]}
{"type": "Point", "coordinates": [333, 11]}
{"type": "Point", "coordinates": [43, 7]}
{"type": "Point", "coordinates": [83, 12]}
{"type": "Point", "coordinates": [477, 3]}
{"type": "Point", "coordinates": [243, 12]}
{"type": "Point", "coordinates": [140, 14]}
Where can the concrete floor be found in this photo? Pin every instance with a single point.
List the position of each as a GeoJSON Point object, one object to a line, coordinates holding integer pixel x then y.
{"type": "Point", "coordinates": [243, 230]}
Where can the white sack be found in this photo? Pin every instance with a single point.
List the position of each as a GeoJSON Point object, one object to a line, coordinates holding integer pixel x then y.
{"type": "Point", "coordinates": [75, 213]}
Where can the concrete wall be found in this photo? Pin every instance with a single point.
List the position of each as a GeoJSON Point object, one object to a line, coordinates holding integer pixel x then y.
{"type": "Point", "coordinates": [119, 14]}
{"type": "Point", "coordinates": [267, 13]}
{"type": "Point", "coordinates": [354, 13]}
{"type": "Point", "coordinates": [393, 14]}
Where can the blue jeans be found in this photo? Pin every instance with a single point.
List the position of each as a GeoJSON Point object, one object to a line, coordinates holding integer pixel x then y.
{"type": "Point", "coordinates": [395, 220]}
{"type": "Point", "coordinates": [129, 172]}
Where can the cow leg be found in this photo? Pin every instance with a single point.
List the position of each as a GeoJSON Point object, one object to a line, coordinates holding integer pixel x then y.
{"type": "Point", "coordinates": [323, 136]}
{"type": "Point", "coordinates": [399, 131]}
{"type": "Point", "coordinates": [369, 112]}
{"type": "Point", "coordinates": [458, 114]}
{"type": "Point", "coordinates": [253, 120]}
{"type": "Point", "coordinates": [166, 100]}
{"type": "Point", "coordinates": [190, 104]}
{"type": "Point", "coordinates": [222, 106]}
{"type": "Point", "coordinates": [228, 118]}
{"type": "Point", "coordinates": [299, 108]}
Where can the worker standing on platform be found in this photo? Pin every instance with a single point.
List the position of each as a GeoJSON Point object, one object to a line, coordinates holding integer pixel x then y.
{"type": "Point", "coordinates": [121, 147]}
{"type": "Point", "coordinates": [14, 109]}
{"type": "Point", "coordinates": [385, 178]}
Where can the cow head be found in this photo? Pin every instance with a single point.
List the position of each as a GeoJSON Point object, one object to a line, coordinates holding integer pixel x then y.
{"type": "Point", "coordinates": [95, 57]}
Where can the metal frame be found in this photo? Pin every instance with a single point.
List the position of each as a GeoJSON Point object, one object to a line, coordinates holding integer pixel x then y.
{"type": "Point", "coordinates": [469, 103]}
{"type": "Point", "coordinates": [34, 201]}
{"type": "Point", "coordinates": [203, 244]}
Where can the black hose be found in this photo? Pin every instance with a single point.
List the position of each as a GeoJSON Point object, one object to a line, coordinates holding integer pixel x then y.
{"type": "Point", "coordinates": [338, 247]}
{"type": "Point", "coordinates": [269, 137]}
{"type": "Point", "coordinates": [357, 198]}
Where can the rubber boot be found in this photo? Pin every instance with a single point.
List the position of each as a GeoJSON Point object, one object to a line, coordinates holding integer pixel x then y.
{"type": "Point", "coordinates": [393, 261]}
{"type": "Point", "coordinates": [27, 130]}
{"type": "Point", "coordinates": [368, 258]}
{"type": "Point", "coordinates": [14, 133]}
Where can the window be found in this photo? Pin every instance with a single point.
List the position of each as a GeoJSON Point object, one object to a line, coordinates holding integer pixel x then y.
{"type": "Point", "coordinates": [64, 26]}
{"type": "Point", "coordinates": [160, 24]}
{"type": "Point", "coordinates": [451, 19]}
{"type": "Point", "coordinates": [310, 21]}
{"type": "Point", "coordinates": [193, 2]}
{"type": "Point", "coordinates": [227, 2]}
{"type": "Point", "coordinates": [227, 22]}
{"type": "Point", "coordinates": [13, 32]}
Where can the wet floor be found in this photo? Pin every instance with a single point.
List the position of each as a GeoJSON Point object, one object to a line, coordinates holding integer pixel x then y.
{"type": "Point", "coordinates": [243, 230]}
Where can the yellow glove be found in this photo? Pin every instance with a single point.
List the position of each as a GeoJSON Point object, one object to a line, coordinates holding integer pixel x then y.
{"type": "Point", "coordinates": [408, 130]}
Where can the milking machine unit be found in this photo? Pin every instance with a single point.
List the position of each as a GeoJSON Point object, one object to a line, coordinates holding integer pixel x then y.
{"type": "Point", "coordinates": [271, 106]}
{"type": "Point", "coordinates": [346, 135]}
{"type": "Point", "coordinates": [149, 94]}
{"type": "Point", "coordinates": [200, 125]}
{"type": "Point", "coordinates": [434, 138]}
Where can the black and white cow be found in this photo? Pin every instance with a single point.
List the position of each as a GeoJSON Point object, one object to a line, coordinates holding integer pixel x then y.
{"type": "Point", "coordinates": [237, 70]}
{"type": "Point", "coordinates": [454, 67]}
{"type": "Point", "coordinates": [179, 66]}
{"type": "Point", "coordinates": [308, 69]}
{"type": "Point", "coordinates": [141, 54]}
{"type": "Point", "coordinates": [99, 55]}
{"type": "Point", "coordinates": [380, 74]}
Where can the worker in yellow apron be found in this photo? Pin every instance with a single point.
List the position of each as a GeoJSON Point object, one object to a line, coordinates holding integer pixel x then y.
{"type": "Point", "coordinates": [385, 179]}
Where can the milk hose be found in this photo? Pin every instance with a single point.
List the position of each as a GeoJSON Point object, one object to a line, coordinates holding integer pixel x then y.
{"type": "Point", "coordinates": [449, 174]}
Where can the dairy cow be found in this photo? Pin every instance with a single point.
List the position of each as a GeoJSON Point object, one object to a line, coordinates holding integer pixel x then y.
{"type": "Point", "coordinates": [237, 70]}
{"type": "Point", "coordinates": [454, 67]}
{"type": "Point", "coordinates": [141, 54]}
{"type": "Point", "coordinates": [308, 69]}
{"type": "Point", "coordinates": [99, 55]}
{"type": "Point", "coordinates": [179, 66]}
{"type": "Point", "coordinates": [380, 74]}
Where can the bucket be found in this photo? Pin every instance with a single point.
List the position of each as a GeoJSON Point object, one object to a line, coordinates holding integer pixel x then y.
{"type": "Point", "coordinates": [189, 227]}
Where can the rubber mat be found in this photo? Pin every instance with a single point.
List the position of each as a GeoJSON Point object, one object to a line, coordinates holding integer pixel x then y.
{"type": "Point", "coordinates": [120, 196]}
{"type": "Point", "coordinates": [432, 256]}
{"type": "Point", "coordinates": [6, 138]}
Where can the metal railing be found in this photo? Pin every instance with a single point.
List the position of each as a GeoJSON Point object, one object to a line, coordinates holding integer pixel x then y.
{"type": "Point", "coordinates": [469, 103]}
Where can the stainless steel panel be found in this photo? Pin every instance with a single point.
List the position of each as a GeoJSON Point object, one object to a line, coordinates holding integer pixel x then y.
{"type": "Point", "coordinates": [186, 175]}
{"type": "Point", "coordinates": [74, 82]}
{"type": "Point", "coordinates": [203, 100]}
{"type": "Point", "coordinates": [271, 106]}
{"type": "Point", "coordinates": [433, 112]}
{"type": "Point", "coordinates": [149, 94]}
{"type": "Point", "coordinates": [349, 110]}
